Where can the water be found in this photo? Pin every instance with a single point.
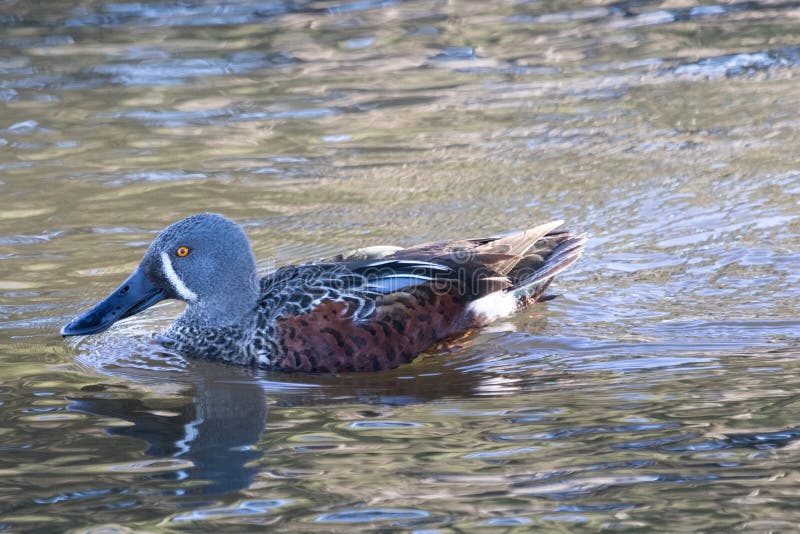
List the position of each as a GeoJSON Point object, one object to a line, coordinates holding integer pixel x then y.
{"type": "Point", "coordinates": [659, 392]}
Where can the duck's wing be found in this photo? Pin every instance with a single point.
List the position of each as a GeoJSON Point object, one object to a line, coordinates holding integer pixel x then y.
{"type": "Point", "coordinates": [361, 285]}
{"type": "Point", "coordinates": [472, 267]}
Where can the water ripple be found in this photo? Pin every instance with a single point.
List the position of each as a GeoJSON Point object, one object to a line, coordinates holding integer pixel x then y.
{"type": "Point", "coordinates": [176, 71]}
{"type": "Point", "coordinates": [372, 515]}
{"type": "Point", "coordinates": [240, 509]}
{"type": "Point", "coordinates": [383, 425]}
{"type": "Point", "coordinates": [657, 390]}
{"type": "Point", "coordinates": [740, 64]}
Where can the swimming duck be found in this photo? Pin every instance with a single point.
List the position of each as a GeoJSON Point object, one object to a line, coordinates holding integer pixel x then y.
{"type": "Point", "coordinates": [366, 310]}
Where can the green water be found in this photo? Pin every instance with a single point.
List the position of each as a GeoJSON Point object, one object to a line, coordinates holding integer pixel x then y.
{"type": "Point", "coordinates": [659, 392]}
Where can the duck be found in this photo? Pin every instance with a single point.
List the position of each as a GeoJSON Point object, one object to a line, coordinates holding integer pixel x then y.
{"type": "Point", "coordinates": [370, 309]}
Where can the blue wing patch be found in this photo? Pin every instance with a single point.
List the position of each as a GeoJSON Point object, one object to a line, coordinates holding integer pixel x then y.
{"type": "Point", "coordinates": [395, 282]}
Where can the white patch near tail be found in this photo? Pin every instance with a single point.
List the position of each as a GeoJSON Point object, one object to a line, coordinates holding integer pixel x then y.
{"type": "Point", "coordinates": [180, 288]}
{"type": "Point", "coordinates": [492, 307]}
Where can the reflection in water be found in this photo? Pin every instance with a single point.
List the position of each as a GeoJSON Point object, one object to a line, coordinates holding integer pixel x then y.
{"type": "Point", "coordinates": [215, 430]}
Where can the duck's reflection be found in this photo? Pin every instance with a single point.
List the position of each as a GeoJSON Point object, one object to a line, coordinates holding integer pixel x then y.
{"type": "Point", "coordinates": [220, 417]}
{"type": "Point", "coordinates": [214, 415]}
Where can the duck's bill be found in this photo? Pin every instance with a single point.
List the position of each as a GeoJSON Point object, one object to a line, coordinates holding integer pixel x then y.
{"type": "Point", "coordinates": [135, 294]}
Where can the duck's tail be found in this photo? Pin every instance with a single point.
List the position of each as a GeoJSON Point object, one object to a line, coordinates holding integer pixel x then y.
{"type": "Point", "coordinates": [537, 255]}
{"type": "Point", "coordinates": [530, 286]}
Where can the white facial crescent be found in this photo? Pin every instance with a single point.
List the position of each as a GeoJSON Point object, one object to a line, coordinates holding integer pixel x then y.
{"type": "Point", "coordinates": [177, 284]}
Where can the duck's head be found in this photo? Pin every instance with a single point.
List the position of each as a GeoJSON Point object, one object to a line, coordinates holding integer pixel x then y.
{"type": "Point", "coordinates": [204, 260]}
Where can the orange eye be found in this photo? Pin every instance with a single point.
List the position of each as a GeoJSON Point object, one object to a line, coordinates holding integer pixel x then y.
{"type": "Point", "coordinates": [182, 252]}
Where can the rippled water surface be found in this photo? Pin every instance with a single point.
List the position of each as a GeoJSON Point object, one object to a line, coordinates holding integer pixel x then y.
{"type": "Point", "coordinates": [660, 391]}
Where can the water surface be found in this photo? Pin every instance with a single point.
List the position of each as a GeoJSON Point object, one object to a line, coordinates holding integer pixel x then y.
{"type": "Point", "coordinates": [658, 392]}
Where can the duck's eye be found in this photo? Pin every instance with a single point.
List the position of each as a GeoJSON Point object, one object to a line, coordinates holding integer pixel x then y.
{"type": "Point", "coordinates": [182, 251]}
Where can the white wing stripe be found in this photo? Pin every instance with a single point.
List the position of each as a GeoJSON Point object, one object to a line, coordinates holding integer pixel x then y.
{"type": "Point", "coordinates": [423, 264]}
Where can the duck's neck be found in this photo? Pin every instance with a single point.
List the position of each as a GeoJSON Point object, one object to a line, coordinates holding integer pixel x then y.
{"type": "Point", "coordinates": [228, 306]}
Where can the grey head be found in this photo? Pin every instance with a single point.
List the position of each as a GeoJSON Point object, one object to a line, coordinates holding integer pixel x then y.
{"type": "Point", "coordinates": [204, 260]}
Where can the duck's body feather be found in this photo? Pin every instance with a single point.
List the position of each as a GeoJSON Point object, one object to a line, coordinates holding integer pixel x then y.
{"type": "Point", "coordinates": [374, 309]}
